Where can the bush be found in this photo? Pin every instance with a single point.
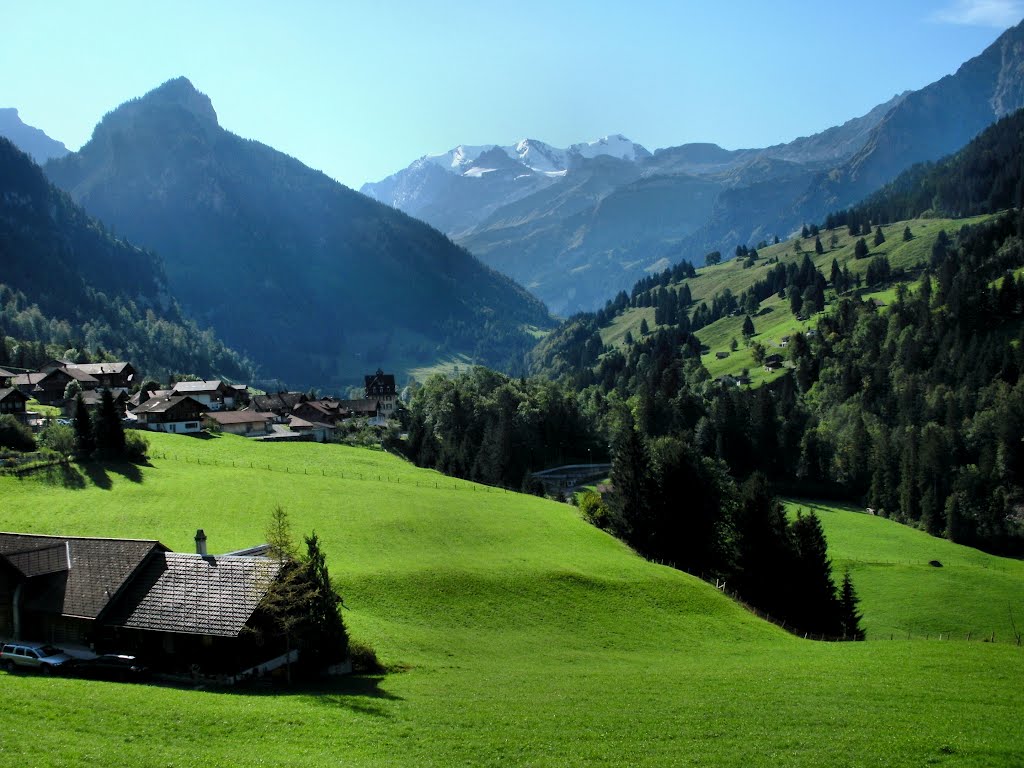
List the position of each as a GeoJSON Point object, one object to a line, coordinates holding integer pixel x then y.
{"type": "Point", "coordinates": [364, 658]}
{"type": "Point", "coordinates": [136, 446]}
{"type": "Point", "coordinates": [59, 438]}
{"type": "Point", "coordinates": [15, 435]}
{"type": "Point", "coordinates": [593, 509]}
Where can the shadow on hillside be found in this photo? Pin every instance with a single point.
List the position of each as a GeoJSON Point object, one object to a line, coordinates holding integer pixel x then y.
{"type": "Point", "coordinates": [765, 311]}
{"type": "Point", "coordinates": [64, 475]}
{"type": "Point", "coordinates": [358, 693]}
{"type": "Point", "coordinates": [204, 435]}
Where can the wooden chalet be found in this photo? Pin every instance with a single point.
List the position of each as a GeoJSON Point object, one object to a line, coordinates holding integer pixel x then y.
{"type": "Point", "coordinates": [175, 413]}
{"type": "Point", "coordinates": [179, 611]}
{"type": "Point", "coordinates": [50, 388]}
{"type": "Point", "coordinates": [281, 404]}
{"type": "Point", "coordinates": [380, 386]}
{"type": "Point", "coordinates": [27, 382]}
{"type": "Point", "coordinates": [94, 398]}
{"type": "Point", "coordinates": [245, 423]}
{"type": "Point", "coordinates": [12, 401]}
{"type": "Point", "coordinates": [215, 395]}
{"type": "Point", "coordinates": [118, 375]}
{"type": "Point", "coordinates": [323, 411]}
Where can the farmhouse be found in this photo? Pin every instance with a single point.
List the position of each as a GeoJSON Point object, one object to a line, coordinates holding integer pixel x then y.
{"type": "Point", "coordinates": [175, 413]}
{"type": "Point", "coordinates": [280, 404]}
{"type": "Point", "coordinates": [179, 610]}
{"type": "Point", "coordinates": [50, 387]}
{"type": "Point", "coordinates": [244, 423]}
{"type": "Point", "coordinates": [215, 395]}
{"type": "Point", "coordinates": [13, 401]}
{"type": "Point", "coordinates": [109, 375]}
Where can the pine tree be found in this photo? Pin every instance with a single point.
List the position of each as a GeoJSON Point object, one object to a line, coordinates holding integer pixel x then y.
{"type": "Point", "coordinates": [860, 250]}
{"type": "Point", "coordinates": [818, 247]}
{"type": "Point", "coordinates": [816, 607]}
{"type": "Point", "coordinates": [325, 640]}
{"type": "Point", "coordinates": [108, 429]}
{"type": "Point", "coordinates": [849, 615]}
{"type": "Point", "coordinates": [907, 235]}
{"type": "Point", "coordinates": [85, 443]}
{"type": "Point", "coordinates": [879, 237]}
{"type": "Point", "coordinates": [644, 328]}
{"type": "Point", "coordinates": [748, 327]}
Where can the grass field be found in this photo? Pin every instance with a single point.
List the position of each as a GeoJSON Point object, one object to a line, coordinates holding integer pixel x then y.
{"type": "Point", "coordinates": [518, 634]}
{"type": "Point", "coordinates": [972, 593]}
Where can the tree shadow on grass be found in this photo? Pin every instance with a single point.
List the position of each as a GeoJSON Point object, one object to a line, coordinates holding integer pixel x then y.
{"type": "Point", "coordinates": [79, 476]}
{"type": "Point", "coordinates": [358, 693]}
{"type": "Point", "coordinates": [65, 475]}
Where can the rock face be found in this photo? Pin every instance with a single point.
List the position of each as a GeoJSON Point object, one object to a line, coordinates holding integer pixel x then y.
{"type": "Point", "coordinates": [29, 140]}
{"type": "Point", "coordinates": [314, 281]}
{"type": "Point", "coordinates": [577, 236]}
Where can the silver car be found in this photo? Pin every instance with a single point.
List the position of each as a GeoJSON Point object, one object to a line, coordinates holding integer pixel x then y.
{"type": "Point", "coordinates": [38, 656]}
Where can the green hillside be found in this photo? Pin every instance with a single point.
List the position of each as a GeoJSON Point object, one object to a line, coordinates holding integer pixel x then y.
{"type": "Point", "coordinates": [517, 634]}
{"type": "Point", "coordinates": [775, 318]}
{"type": "Point", "coordinates": [969, 593]}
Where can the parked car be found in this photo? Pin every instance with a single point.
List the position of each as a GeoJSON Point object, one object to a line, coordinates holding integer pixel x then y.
{"type": "Point", "coordinates": [110, 666]}
{"type": "Point", "coordinates": [37, 656]}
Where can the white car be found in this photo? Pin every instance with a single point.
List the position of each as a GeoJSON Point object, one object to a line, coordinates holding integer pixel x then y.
{"type": "Point", "coordinates": [39, 656]}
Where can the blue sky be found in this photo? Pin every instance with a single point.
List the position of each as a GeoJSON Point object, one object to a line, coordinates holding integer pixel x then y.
{"type": "Point", "coordinates": [361, 89]}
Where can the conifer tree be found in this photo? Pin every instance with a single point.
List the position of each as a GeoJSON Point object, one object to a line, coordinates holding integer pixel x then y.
{"type": "Point", "coordinates": [644, 328]}
{"type": "Point", "coordinates": [860, 250]}
{"type": "Point", "coordinates": [818, 247]}
{"type": "Point", "coordinates": [108, 429]}
{"type": "Point", "coordinates": [907, 234]}
{"type": "Point", "coordinates": [879, 237]}
{"type": "Point", "coordinates": [849, 615]}
{"type": "Point", "coordinates": [748, 327]}
{"type": "Point", "coordinates": [816, 608]}
{"type": "Point", "coordinates": [85, 442]}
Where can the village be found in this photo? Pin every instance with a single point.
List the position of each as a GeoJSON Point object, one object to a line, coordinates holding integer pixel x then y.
{"type": "Point", "coordinates": [128, 607]}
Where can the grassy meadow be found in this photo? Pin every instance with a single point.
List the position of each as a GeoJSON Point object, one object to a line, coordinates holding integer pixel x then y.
{"type": "Point", "coordinates": [515, 633]}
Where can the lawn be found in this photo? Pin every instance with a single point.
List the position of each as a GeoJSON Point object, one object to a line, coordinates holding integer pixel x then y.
{"type": "Point", "coordinates": [516, 633]}
{"type": "Point", "coordinates": [970, 593]}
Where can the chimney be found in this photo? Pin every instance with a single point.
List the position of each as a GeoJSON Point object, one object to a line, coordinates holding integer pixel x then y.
{"type": "Point", "coordinates": [200, 543]}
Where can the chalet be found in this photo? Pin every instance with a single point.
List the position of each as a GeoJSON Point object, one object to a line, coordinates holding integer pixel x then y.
{"type": "Point", "coordinates": [240, 394]}
{"type": "Point", "coordinates": [94, 398]}
{"type": "Point", "coordinates": [12, 401]}
{"type": "Point", "coordinates": [315, 431]}
{"type": "Point", "coordinates": [281, 404]}
{"type": "Point", "coordinates": [51, 387]}
{"type": "Point", "coordinates": [324, 411]}
{"type": "Point", "coordinates": [380, 386]}
{"type": "Point", "coordinates": [246, 423]}
{"type": "Point", "coordinates": [773, 362]}
{"type": "Point", "coordinates": [215, 395]}
{"type": "Point", "coordinates": [109, 375]}
{"type": "Point", "coordinates": [721, 355]}
{"type": "Point", "coordinates": [176, 413]}
{"type": "Point", "coordinates": [784, 341]}
{"type": "Point", "coordinates": [178, 610]}
{"type": "Point", "coordinates": [366, 408]}
{"type": "Point", "coordinates": [27, 382]}
{"type": "Point", "coordinates": [54, 363]}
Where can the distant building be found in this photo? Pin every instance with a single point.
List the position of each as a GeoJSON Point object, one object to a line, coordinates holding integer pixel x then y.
{"type": "Point", "coordinates": [177, 413]}
{"type": "Point", "coordinates": [109, 375]}
{"type": "Point", "coordinates": [12, 401]}
{"type": "Point", "coordinates": [245, 423]}
{"type": "Point", "coordinates": [215, 395]}
{"type": "Point", "coordinates": [380, 386]}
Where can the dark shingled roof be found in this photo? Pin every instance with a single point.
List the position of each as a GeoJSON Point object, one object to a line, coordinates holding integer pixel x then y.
{"type": "Point", "coordinates": [162, 405]}
{"type": "Point", "coordinates": [279, 403]}
{"type": "Point", "coordinates": [191, 594]}
{"type": "Point", "coordinates": [100, 368]}
{"type": "Point", "coordinates": [98, 567]}
{"type": "Point", "coordinates": [8, 391]}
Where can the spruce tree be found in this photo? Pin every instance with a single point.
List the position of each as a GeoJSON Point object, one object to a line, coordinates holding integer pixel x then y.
{"type": "Point", "coordinates": [748, 327]}
{"type": "Point", "coordinates": [907, 235]}
{"type": "Point", "coordinates": [879, 237]}
{"type": "Point", "coordinates": [85, 442]}
{"type": "Point", "coordinates": [860, 250]}
{"type": "Point", "coordinates": [644, 328]}
{"type": "Point", "coordinates": [818, 247]}
{"type": "Point", "coordinates": [816, 607]}
{"type": "Point", "coordinates": [849, 615]}
{"type": "Point", "coordinates": [108, 429]}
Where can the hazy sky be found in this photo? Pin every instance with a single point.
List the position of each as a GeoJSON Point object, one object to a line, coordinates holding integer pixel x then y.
{"type": "Point", "coordinates": [360, 89]}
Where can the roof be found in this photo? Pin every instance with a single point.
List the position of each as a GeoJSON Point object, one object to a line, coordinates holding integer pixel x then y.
{"type": "Point", "coordinates": [239, 417]}
{"type": "Point", "coordinates": [96, 568]}
{"type": "Point", "coordinates": [8, 391]}
{"type": "Point", "coordinates": [279, 402]}
{"type": "Point", "coordinates": [27, 379]}
{"type": "Point", "coordinates": [196, 595]}
{"type": "Point", "coordinates": [100, 368]}
{"type": "Point", "coordinates": [360, 406]}
{"type": "Point", "coordinates": [385, 381]}
{"type": "Point", "coordinates": [75, 373]}
{"type": "Point", "coordinates": [164, 404]}
{"type": "Point", "coordinates": [5, 374]}
{"type": "Point", "coordinates": [198, 386]}
{"type": "Point", "coordinates": [95, 396]}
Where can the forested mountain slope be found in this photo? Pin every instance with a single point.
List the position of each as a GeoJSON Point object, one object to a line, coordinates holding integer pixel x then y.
{"type": "Point", "coordinates": [69, 282]}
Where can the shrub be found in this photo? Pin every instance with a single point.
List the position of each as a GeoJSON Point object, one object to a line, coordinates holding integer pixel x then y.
{"type": "Point", "coordinates": [364, 658]}
{"type": "Point", "coordinates": [136, 446]}
{"type": "Point", "coordinates": [59, 438]}
{"type": "Point", "coordinates": [15, 435]}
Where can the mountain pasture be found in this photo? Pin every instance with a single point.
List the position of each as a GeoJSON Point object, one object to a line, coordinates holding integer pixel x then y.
{"type": "Point", "coordinates": [515, 633]}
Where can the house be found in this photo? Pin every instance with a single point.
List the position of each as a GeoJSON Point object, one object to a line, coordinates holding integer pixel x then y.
{"type": "Point", "coordinates": [244, 423]}
{"type": "Point", "coordinates": [773, 362]}
{"type": "Point", "coordinates": [315, 431]}
{"type": "Point", "coordinates": [380, 386]}
{"type": "Point", "coordinates": [325, 411]}
{"type": "Point", "coordinates": [784, 341]}
{"type": "Point", "coordinates": [366, 408]}
{"type": "Point", "coordinates": [281, 404]}
{"type": "Point", "coordinates": [54, 363]}
{"type": "Point", "coordinates": [215, 395]}
{"type": "Point", "coordinates": [109, 375]}
{"type": "Point", "coordinates": [175, 413]}
{"type": "Point", "coordinates": [51, 387]}
{"type": "Point", "coordinates": [94, 398]}
{"type": "Point", "coordinates": [12, 401]}
{"type": "Point", "coordinates": [27, 382]}
{"type": "Point", "coordinates": [178, 610]}
{"type": "Point", "coordinates": [5, 378]}
{"type": "Point", "coordinates": [240, 395]}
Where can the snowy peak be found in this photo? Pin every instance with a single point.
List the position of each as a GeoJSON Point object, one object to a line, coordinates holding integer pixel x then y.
{"type": "Point", "coordinates": [616, 145]}
{"type": "Point", "coordinates": [534, 155]}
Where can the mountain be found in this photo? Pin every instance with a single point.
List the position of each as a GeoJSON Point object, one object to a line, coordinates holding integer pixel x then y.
{"type": "Point", "coordinates": [69, 282]}
{"type": "Point", "coordinates": [318, 283]}
{"type": "Point", "coordinates": [684, 202]}
{"type": "Point", "coordinates": [28, 139]}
